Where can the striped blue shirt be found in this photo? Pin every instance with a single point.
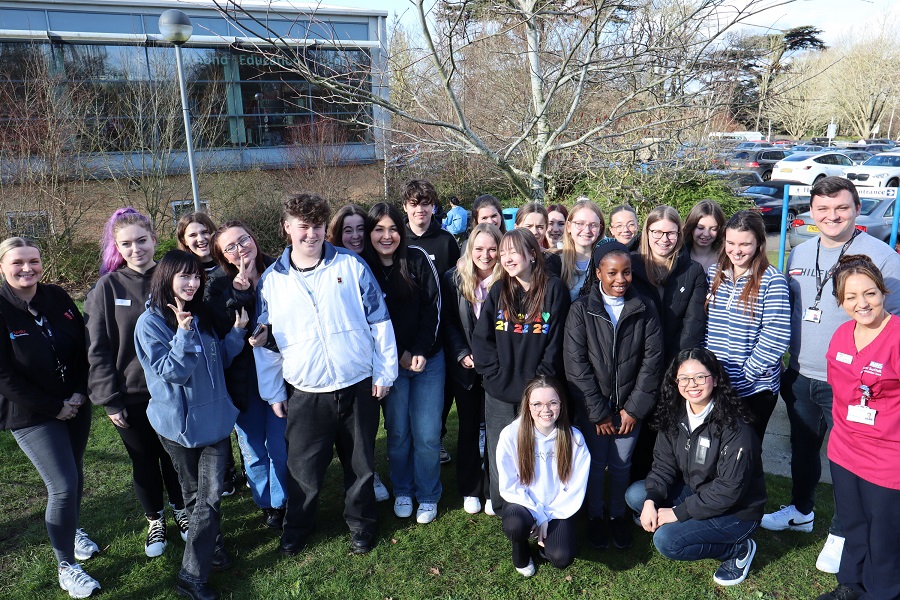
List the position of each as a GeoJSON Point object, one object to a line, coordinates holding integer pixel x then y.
{"type": "Point", "coordinates": [750, 348]}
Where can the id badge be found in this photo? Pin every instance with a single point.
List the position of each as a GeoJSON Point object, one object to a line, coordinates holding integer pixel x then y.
{"type": "Point", "coordinates": [813, 315]}
{"type": "Point", "coordinates": [861, 414]}
{"type": "Point", "coordinates": [702, 451]}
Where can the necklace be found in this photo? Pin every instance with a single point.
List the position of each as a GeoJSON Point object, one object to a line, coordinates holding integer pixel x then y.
{"type": "Point", "coordinates": [387, 272]}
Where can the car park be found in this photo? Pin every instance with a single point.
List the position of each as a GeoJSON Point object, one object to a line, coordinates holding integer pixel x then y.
{"type": "Point", "coordinates": [737, 181]}
{"type": "Point", "coordinates": [752, 145]}
{"type": "Point", "coordinates": [857, 156]}
{"type": "Point", "coordinates": [807, 148]}
{"type": "Point", "coordinates": [760, 161]}
{"type": "Point", "coordinates": [882, 170]}
{"type": "Point", "coordinates": [876, 216]}
{"type": "Point", "coordinates": [809, 167]}
{"type": "Point", "coordinates": [769, 200]}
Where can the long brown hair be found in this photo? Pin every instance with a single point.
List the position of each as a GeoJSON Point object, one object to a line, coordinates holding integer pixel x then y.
{"type": "Point", "coordinates": [658, 272]}
{"type": "Point", "coordinates": [743, 220]}
{"type": "Point", "coordinates": [704, 208]}
{"type": "Point", "coordinates": [525, 438]}
{"type": "Point", "coordinates": [218, 254]}
{"type": "Point", "coordinates": [520, 311]}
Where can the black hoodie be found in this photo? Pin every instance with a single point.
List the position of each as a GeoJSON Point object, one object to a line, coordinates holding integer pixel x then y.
{"type": "Point", "coordinates": [31, 388]}
{"type": "Point", "coordinates": [440, 246]}
{"type": "Point", "coordinates": [507, 354]}
{"type": "Point", "coordinates": [111, 311]}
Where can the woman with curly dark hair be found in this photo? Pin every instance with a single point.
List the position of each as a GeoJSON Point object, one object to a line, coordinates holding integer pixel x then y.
{"type": "Point", "coordinates": [705, 494]}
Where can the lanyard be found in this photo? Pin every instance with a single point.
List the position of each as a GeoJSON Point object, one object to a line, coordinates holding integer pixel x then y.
{"type": "Point", "coordinates": [41, 321]}
{"type": "Point", "coordinates": [820, 281]}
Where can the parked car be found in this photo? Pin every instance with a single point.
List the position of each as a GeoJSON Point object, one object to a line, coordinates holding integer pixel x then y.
{"type": "Point", "coordinates": [783, 143]}
{"type": "Point", "coordinates": [752, 145]}
{"type": "Point", "coordinates": [807, 148]}
{"type": "Point", "coordinates": [738, 181]}
{"type": "Point", "coordinates": [760, 161]}
{"type": "Point", "coordinates": [882, 170]}
{"type": "Point", "coordinates": [876, 215]}
{"type": "Point", "coordinates": [857, 156]}
{"type": "Point", "coordinates": [809, 167]}
{"type": "Point", "coordinates": [769, 200]}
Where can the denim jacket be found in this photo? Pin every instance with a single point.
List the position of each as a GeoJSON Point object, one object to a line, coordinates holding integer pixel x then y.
{"type": "Point", "coordinates": [189, 403]}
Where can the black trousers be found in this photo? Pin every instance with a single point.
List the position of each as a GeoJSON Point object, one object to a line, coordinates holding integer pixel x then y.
{"type": "Point", "coordinates": [559, 546]}
{"type": "Point", "coordinates": [870, 519]}
{"type": "Point", "coordinates": [317, 424]}
{"type": "Point", "coordinates": [761, 405]}
{"type": "Point", "coordinates": [497, 415]}
{"type": "Point", "coordinates": [151, 465]}
{"type": "Point", "coordinates": [471, 479]}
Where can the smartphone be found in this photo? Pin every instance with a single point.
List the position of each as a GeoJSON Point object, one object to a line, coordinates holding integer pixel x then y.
{"type": "Point", "coordinates": [259, 329]}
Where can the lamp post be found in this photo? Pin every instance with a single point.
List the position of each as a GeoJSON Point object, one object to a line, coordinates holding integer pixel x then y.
{"type": "Point", "coordinates": [176, 28]}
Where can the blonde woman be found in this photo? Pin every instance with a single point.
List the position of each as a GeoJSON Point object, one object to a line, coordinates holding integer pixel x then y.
{"type": "Point", "coordinates": [464, 288]}
{"type": "Point", "coordinates": [584, 228]}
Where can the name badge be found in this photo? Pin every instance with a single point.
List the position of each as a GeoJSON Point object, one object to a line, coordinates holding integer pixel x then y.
{"type": "Point", "coordinates": [198, 349]}
{"type": "Point", "coordinates": [702, 450]}
{"type": "Point", "coordinates": [844, 358]}
{"type": "Point", "coordinates": [813, 315]}
{"type": "Point", "coordinates": [861, 414]}
{"type": "Point", "coordinates": [123, 302]}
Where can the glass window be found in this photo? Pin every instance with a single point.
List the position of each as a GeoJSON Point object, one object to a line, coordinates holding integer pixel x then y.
{"type": "Point", "coordinates": [34, 20]}
{"type": "Point", "coordinates": [95, 22]}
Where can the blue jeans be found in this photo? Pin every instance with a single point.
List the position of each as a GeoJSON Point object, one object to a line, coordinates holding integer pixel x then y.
{"type": "Point", "coordinates": [808, 402]}
{"type": "Point", "coordinates": [201, 472]}
{"type": "Point", "coordinates": [260, 435]}
{"type": "Point", "coordinates": [56, 449]}
{"type": "Point", "coordinates": [719, 537]}
{"type": "Point", "coordinates": [412, 418]}
{"type": "Point", "coordinates": [612, 452]}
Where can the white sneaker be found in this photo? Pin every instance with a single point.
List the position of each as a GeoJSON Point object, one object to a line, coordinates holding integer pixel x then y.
{"type": "Point", "coordinates": [829, 560]}
{"type": "Point", "coordinates": [381, 492]}
{"type": "Point", "coordinates": [74, 580]}
{"type": "Point", "coordinates": [489, 508]}
{"type": "Point", "coordinates": [472, 505]}
{"type": "Point", "coordinates": [788, 518]}
{"type": "Point", "coordinates": [183, 521]}
{"type": "Point", "coordinates": [427, 512]}
{"type": "Point", "coordinates": [403, 506]}
{"type": "Point", "coordinates": [156, 537]}
{"type": "Point", "coordinates": [84, 547]}
{"type": "Point", "coordinates": [527, 570]}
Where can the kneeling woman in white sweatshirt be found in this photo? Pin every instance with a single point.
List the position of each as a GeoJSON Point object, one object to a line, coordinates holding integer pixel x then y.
{"type": "Point", "coordinates": [543, 468]}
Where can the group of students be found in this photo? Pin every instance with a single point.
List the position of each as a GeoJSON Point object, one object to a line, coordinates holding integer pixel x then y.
{"type": "Point", "coordinates": [653, 355]}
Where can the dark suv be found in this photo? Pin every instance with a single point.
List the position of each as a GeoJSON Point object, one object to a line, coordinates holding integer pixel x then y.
{"type": "Point", "coordinates": [760, 161]}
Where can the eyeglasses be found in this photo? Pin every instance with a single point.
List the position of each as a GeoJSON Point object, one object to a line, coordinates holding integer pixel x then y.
{"type": "Point", "coordinates": [623, 226]}
{"type": "Point", "coordinates": [656, 234]}
{"type": "Point", "coordinates": [585, 225]}
{"type": "Point", "coordinates": [684, 381]}
{"type": "Point", "coordinates": [539, 407]}
{"type": "Point", "coordinates": [244, 243]}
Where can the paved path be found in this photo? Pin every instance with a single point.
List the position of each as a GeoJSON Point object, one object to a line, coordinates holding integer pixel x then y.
{"type": "Point", "coordinates": [777, 446]}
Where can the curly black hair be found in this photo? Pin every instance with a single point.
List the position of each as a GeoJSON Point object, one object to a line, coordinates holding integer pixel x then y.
{"type": "Point", "coordinates": [728, 407]}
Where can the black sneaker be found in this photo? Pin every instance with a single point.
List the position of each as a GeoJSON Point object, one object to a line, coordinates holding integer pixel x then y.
{"type": "Point", "coordinates": [274, 518]}
{"type": "Point", "coordinates": [445, 456]}
{"type": "Point", "coordinates": [734, 570]}
{"type": "Point", "coordinates": [841, 592]}
{"type": "Point", "coordinates": [621, 532]}
{"type": "Point", "coordinates": [598, 533]}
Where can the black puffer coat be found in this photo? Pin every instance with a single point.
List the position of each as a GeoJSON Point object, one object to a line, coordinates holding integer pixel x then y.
{"type": "Point", "coordinates": [458, 319]}
{"type": "Point", "coordinates": [681, 306]}
{"type": "Point", "coordinates": [613, 368]}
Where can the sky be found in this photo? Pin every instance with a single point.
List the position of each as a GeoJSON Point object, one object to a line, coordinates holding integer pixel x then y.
{"type": "Point", "coordinates": [833, 17]}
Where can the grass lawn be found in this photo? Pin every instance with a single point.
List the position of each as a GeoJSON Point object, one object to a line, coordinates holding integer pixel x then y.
{"type": "Point", "coordinates": [457, 556]}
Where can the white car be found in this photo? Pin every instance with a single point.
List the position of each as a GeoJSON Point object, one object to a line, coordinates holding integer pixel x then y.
{"type": "Point", "coordinates": [882, 170]}
{"type": "Point", "coordinates": [809, 167]}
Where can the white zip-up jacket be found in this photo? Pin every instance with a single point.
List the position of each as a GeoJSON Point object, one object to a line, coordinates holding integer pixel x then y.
{"type": "Point", "coordinates": [331, 326]}
{"type": "Point", "coordinates": [547, 497]}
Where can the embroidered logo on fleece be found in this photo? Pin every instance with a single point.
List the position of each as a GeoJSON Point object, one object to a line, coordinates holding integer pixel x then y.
{"type": "Point", "coordinates": [539, 326]}
{"type": "Point", "coordinates": [15, 334]}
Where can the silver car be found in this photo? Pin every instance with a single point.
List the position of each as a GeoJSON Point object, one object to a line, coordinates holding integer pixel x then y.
{"type": "Point", "coordinates": [876, 215]}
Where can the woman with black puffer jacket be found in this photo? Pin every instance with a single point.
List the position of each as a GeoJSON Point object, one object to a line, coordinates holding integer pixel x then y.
{"type": "Point", "coordinates": [664, 272]}
{"type": "Point", "coordinates": [613, 356]}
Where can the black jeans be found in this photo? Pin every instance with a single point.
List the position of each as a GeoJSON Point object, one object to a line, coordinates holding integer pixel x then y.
{"type": "Point", "coordinates": [559, 546]}
{"type": "Point", "coordinates": [471, 478]}
{"type": "Point", "coordinates": [345, 420]}
{"type": "Point", "coordinates": [201, 472]}
{"type": "Point", "coordinates": [56, 449]}
{"type": "Point", "coordinates": [808, 402]}
{"type": "Point", "coordinates": [151, 466]}
{"type": "Point", "coordinates": [761, 405]}
{"type": "Point", "coordinates": [497, 415]}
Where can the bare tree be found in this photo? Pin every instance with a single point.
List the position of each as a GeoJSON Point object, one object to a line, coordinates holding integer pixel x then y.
{"type": "Point", "coordinates": [595, 74]}
{"type": "Point", "coordinates": [798, 105]}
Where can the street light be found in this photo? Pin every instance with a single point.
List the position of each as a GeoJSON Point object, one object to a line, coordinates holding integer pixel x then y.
{"type": "Point", "coordinates": [176, 28]}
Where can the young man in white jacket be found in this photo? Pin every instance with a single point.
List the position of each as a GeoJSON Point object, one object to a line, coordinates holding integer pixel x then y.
{"type": "Point", "coordinates": [335, 347]}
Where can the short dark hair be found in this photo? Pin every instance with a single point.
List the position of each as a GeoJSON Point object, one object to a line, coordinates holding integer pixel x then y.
{"type": "Point", "coordinates": [831, 187]}
{"type": "Point", "coordinates": [420, 191]}
{"type": "Point", "coordinates": [307, 207]}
